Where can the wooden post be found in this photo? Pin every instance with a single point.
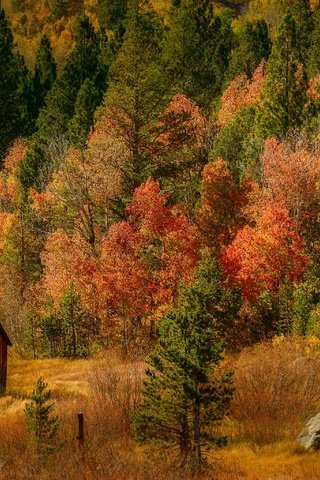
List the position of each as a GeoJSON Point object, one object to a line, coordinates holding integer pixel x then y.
{"type": "Point", "coordinates": [80, 436]}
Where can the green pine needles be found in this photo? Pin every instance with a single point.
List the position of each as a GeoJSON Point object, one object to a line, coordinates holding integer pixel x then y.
{"type": "Point", "coordinates": [41, 424]}
{"type": "Point", "coordinates": [184, 397]}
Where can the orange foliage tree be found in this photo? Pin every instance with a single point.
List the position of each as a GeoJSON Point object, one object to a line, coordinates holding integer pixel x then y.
{"type": "Point", "coordinates": [223, 204]}
{"type": "Point", "coordinates": [262, 256]}
{"type": "Point", "coordinates": [292, 178]}
{"type": "Point", "coordinates": [145, 258]}
{"type": "Point", "coordinates": [242, 92]}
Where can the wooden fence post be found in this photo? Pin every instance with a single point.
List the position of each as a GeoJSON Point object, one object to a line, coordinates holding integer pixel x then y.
{"type": "Point", "coordinates": [80, 436]}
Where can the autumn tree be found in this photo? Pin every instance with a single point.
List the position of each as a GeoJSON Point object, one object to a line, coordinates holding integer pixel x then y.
{"type": "Point", "coordinates": [262, 256]}
{"type": "Point", "coordinates": [144, 259]}
{"type": "Point", "coordinates": [291, 177]}
{"type": "Point", "coordinates": [223, 203]}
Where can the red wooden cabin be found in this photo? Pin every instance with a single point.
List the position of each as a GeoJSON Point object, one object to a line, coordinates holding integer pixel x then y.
{"type": "Point", "coordinates": [4, 343]}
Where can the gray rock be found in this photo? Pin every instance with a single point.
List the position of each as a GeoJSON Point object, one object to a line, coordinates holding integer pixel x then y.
{"type": "Point", "coordinates": [310, 436]}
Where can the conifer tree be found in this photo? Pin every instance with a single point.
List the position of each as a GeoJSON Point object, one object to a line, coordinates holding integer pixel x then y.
{"type": "Point", "coordinates": [313, 54]}
{"type": "Point", "coordinates": [72, 316]}
{"type": "Point", "coordinates": [137, 91]}
{"type": "Point", "coordinates": [300, 10]}
{"type": "Point", "coordinates": [15, 119]}
{"type": "Point", "coordinates": [60, 9]}
{"type": "Point", "coordinates": [45, 73]}
{"type": "Point", "coordinates": [254, 45]}
{"type": "Point", "coordinates": [112, 13]}
{"type": "Point", "coordinates": [183, 396]}
{"type": "Point", "coordinates": [40, 422]}
{"type": "Point", "coordinates": [196, 50]}
{"type": "Point", "coordinates": [85, 106]}
{"type": "Point", "coordinates": [53, 121]}
{"type": "Point", "coordinates": [284, 91]}
{"type": "Point", "coordinates": [83, 63]}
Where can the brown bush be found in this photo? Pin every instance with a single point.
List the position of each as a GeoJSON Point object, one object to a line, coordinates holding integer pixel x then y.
{"type": "Point", "coordinates": [277, 388]}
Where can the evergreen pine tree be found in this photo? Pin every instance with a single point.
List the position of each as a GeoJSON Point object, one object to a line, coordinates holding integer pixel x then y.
{"type": "Point", "coordinates": [45, 73]}
{"type": "Point", "coordinates": [53, 120]}
{"type": "Point", "coordinates": [112, 13]}
{"type": "Point", "coordinates": [40, 422]}
{"type": "Point", "coordinates": [137, 91]}
{"type": "Point", "coordinates": [75, 340]}
{"type": "Point", "coordinates": [196, 50]}
{"type": "Point", "coordinates": [60, 9]}
{"type": "Point", "coordinates": [284, 91]}
{"type": "Point", "coordinates": [83, 63]}
{"type": "Point", "coordinates": [313, 54]}
{"type": "Point", "coordinates": [183, 396]}
{"type": "Point", "coordinates": [300, 10]}
{"type": "Point", "coordinates": [254, 45]}
{"type": "Point", "coordinates": [85, 106]}
{"type": "Point", "coordinates": [15, 118]}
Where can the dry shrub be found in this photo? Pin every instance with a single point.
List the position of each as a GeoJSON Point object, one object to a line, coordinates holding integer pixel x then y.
{"type": "Point", "coordinates": [277, 388]}
{"type": "Point", "coordinates": [116, 390]}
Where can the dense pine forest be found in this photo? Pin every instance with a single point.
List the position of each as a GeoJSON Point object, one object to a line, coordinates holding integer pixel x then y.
{"type": "Point", "coordinates": [160, 199]}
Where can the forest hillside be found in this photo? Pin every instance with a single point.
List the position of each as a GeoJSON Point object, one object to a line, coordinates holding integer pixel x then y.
{"type": "Point", "coordinates": [159, 204]}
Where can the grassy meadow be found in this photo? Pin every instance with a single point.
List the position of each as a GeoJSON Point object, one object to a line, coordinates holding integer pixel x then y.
{"type": "Point", "coordinates": [277, 390]}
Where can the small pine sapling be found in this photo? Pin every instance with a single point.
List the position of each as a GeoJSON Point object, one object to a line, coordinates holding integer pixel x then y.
{"type": "Point", "coordinates": [40, 423]}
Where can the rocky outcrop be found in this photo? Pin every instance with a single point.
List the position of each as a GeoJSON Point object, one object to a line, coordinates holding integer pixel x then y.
{"type": "Point", "coordinates": [310, 436]}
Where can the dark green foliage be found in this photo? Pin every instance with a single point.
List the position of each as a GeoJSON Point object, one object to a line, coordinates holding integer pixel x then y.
{"type": "Point", "coordinates": [17, 5]}
{"type": "Point", "coordinates": [313, 54]}
{"type": "Point", "coordinates": [112, 13]}
{"type": "Point", "coordinates": [196, 50]}
{"type": "Point", "coordinates": [45, 73]}
{"type": "Point", "coordinates": [184, 397]}
{"type": "Point", "coordinates": [254, 45]}
{"type": "Point", "coordinates": [300, 10]}
{"type": "Point", "coordinates": [60, 9]}
{"type": "Point", "coordinates": [85, 106]}
{"type": "Point", "coordinates": [29, 172]}
{"type": "Point", "coordinates": [40, 423]}
{"type": "Point", "coordinates": [284, 91]}
{"type": "Point", "coordinates": [240, 146]}
{"type": "Point", "coordinates": [137, 92]}
{"type": "Point", "coordinates": [69, 329]}
{"type": "Point", "coordinates": [84, 62]}
{"type": "Point", "coordinates": [306, 307]}
{"type": "Point", "coordinates": [302, 306]}
{"type": "Point", "coordinates": [15, 88]}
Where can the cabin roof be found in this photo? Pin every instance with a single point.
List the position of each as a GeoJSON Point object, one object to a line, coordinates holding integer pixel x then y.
{"type": "Point", "coordinates": [5, 336]}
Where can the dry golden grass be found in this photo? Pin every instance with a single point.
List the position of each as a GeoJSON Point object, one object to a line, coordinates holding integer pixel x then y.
{"type": "Point", "coordinates": [278, 387]}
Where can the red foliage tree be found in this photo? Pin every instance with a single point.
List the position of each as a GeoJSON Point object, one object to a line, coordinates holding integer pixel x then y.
{"type": "Point", "coordinates": [262, 256]}
{"type": "Point", "coordinates": [223, 204]}
{"type": "Point", "coordinates": [145, 258]}
{"type": "Point", "coordinates": [292, 178]}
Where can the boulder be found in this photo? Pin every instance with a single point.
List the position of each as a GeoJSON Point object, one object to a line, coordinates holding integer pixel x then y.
{"type": "Point", "coordinates": [310, 436]}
